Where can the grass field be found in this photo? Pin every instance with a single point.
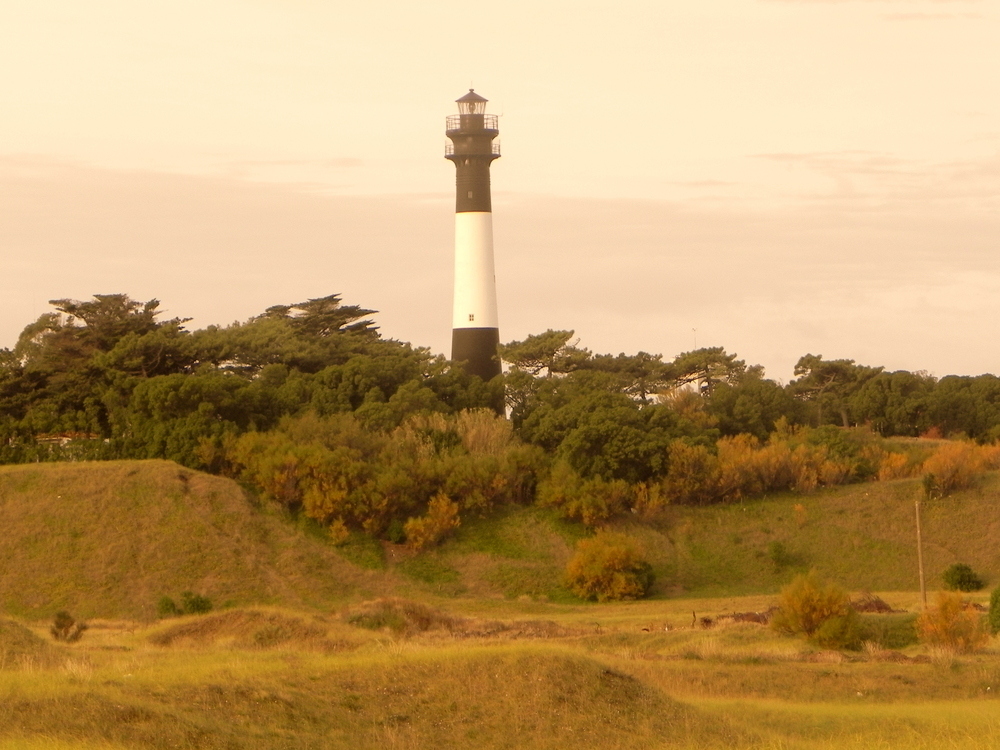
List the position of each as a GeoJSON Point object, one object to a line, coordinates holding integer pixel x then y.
{"type": "Point", "coordinates": [485, 647]}
{"type": "Point", "coordinates": [278, 678]}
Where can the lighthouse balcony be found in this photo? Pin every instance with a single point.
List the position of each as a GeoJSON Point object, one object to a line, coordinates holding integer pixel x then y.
{"type": "Point", "coordinates": [449, 150]}
{"type": "Point", "coordinates": [471, 123]}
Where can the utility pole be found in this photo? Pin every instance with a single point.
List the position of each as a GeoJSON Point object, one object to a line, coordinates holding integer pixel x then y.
{"type": "Point", "coordinates": [920, 559]}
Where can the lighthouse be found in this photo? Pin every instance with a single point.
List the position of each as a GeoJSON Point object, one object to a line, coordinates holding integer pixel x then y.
{"type": "Point", "coordinates": [475, 332]}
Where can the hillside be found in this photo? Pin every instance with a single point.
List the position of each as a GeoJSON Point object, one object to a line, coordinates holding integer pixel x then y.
{"type": "Point", "coordinates": [109, 539]}
{"type": "Point", "coordinates": [862, 536]}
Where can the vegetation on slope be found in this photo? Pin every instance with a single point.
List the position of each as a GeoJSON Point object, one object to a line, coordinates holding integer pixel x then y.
{"type": "Point", "coordinates": [111, 538]}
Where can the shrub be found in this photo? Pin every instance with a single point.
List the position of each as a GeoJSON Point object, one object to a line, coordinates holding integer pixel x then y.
{"type": "Point", "coordinates": [592, 501]}
{"type": "Point", "coordinates": [400, 616]}
{"type": "Point", "coordinates": [950, 625]}
{"type": "Point", "coordinates": [960, 577]}
{"type": "Point", "coordinates": [195, 604]}
{"type": "Point", "coordinates": [167, 607]}
{"type": "Point", "coordinates": [66, 628]}
{"type": "Point", "coordinates": [955, 466]}
{"type": "Point", "coordinates": [692, 474]}
{"type": "Point", "coordinates": [441, 519]}
{"type": "Point", "coordinates": [894, 466]}
{"type": "Point", "coordinates": [993, 618]}
{"type": "Point", "coordinates": [896, 630]}
{"type": "Point", "coordinates": [608, 566]}
{"type": "Point", "coordinates": [779, 555]}
{"type": "Point", "coordinates": [819, 610]}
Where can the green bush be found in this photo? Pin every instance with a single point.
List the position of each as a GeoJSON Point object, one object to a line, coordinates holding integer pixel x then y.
{"type": "Point", "coordinates": [888, 630]}
{"type": "Point", "coordinates": [608, 566]}
{"type": "Point", "coordinates": [779, 555]}
{"type": "Point", "coordinates": [819, 610]}
{"type": "Point", "coordinates": [167, 607]}
{"type": "Point", "coordinates": [993, 618]}
{"type": "Point", "coordinates": [195, 604]}
{"type": "Point", "coordinates": [66, 628]}
{"type": "Point", "coordinates": [960, 577]}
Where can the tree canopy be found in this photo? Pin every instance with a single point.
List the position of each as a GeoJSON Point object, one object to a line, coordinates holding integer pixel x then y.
{"type": "Point", "coordinates": [310, 405]}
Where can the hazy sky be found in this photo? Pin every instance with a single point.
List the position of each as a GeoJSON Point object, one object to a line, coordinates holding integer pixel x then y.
{"type": "Point", "coordinates": [772, 176]}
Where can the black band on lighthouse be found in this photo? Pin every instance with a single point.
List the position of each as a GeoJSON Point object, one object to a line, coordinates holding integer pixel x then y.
{"type": "Point", "coordinates": [472, 184]}
{"type": "Point", "coordinates": [477, 348]}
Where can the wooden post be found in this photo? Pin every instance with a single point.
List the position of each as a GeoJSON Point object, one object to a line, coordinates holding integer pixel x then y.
{"type": "Point", "coordinates": [920, 560]}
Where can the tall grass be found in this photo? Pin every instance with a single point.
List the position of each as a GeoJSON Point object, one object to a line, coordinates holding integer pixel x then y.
{"type": "Point", "coordinates": [736, 686]}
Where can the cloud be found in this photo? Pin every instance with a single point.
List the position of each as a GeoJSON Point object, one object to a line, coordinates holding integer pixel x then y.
{"type": "Point", "coordinates": [874, 2]}
{"type": "Point", "coordinates": [910, 285]}
{"type": "Point", "coordinates": [931, 16]}
{"type": "Point", "coordinates": [336, 163]}
{"type": "Point", "coordinates": [867, 179]}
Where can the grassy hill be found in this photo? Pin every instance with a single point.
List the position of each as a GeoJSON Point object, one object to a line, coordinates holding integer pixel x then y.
{"type": "Point", "coordinates": [109, 539]}
{"type": "Point", "coordinates": [862, 536]}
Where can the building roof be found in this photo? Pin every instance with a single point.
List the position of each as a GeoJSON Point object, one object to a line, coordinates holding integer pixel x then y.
{"type": "Point", "coordinates": [472, 97]}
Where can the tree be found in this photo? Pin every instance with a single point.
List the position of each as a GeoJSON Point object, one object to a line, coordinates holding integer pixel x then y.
{"type": "Point", "coordinates": [829, 383]}
{"type": "Point", "coordinates": [64, 363]}
{"type": "Point", "coordinates": [109, 317]}
{"type": "Point", "coordinates": [751, 406]}
{"type": "Point", "coordinates": [550, 353]}
{"type": "Point", "coordinates": [709, 366]}
{"type": "Point", "coordinates": [969, 405]}
{"type": "Point", "coordinates": [638, 375]}
{"type": "Point", "coordinates": [893, 403]}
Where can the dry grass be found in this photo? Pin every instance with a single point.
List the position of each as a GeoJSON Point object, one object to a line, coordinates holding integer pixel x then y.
{"type": "Point", "coordinates": [204, 682]}
{"type": "Point", "coordinates": [255, 628]}
{"type": "Point", "coordinates": [110, 538]}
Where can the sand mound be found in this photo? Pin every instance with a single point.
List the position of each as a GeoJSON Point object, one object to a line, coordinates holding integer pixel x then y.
{"type": "Point", "coordinates": [406, 618]}
{"type": "Point", "coordinates": [19, 647]}
{"type": "Point", "coordinates": [252, 629]}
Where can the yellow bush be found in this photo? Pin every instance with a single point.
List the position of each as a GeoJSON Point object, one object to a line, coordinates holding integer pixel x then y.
{"type": "Point", "coordinates": [608, 566]}
{"type": "Point", "coordinates": [819, 610]}
{"type": "Point", "coordinates": [948, 624]}
{"type": "Point", "coordinates": [955, 466]}
{"type": "Point", "coordinates": [893, 466]}
{"type": "Point", "coordinates": [692, 474]}
{"type": "Point", "coordinates": [483, 432]}
{"type": "Point", "coordinates": [441, 519]}
{"type": "Point", "coordinates": [648, 499]}
{"type": "Point", "coordinates": [739, 470]}
{"type": "Point", "coordinates": [991, 456]}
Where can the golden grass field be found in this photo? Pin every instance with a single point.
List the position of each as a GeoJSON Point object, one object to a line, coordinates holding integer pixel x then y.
{"type": "Point", "coordinates": [475, 644]}
{"type": "Point", "coordinates": [546, 676]}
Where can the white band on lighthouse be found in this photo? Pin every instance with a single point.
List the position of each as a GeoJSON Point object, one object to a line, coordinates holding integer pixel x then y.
{"type": "Point", "coordinates": [475, 282]}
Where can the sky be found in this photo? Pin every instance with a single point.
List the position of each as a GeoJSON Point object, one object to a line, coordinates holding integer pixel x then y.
{"type": "Point", "coordinates": [776, 177]}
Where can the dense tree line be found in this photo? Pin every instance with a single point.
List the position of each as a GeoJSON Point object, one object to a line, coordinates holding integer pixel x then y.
{"type": "Point", "coordinates": [109, 369]}
{"type": "Point", "coordinates": [312, 407]}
